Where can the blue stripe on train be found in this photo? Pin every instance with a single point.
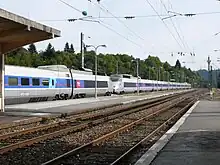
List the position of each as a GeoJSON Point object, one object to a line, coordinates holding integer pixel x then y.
{"type": "Point", "coordinates": [62, 83]}
{"type": "Point", "coordinates": [58, 83]}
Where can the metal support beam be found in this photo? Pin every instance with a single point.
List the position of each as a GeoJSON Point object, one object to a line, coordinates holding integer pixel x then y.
{"type": "Point", "coordinates": [2, 75]}
{"type": "Point", "coordinates": [82, 48]}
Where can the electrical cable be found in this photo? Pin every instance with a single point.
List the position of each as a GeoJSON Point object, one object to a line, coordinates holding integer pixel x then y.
{"type": "Point", "coordinates": [134, 16]}
{"type": "Point", "coordinates": [163, 22]}
{"type": "Point", "coordinates": [161, 1]}
{"type": "Point", "coordinates": [104, 9]}
{"type": "Point", "coordinates": [70, 6]}
{"type": "Point", "coordinates": [120, 34]}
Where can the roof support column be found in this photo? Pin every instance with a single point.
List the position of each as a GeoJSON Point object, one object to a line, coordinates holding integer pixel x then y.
{"type": "Point", "coordinates": [2, 75]}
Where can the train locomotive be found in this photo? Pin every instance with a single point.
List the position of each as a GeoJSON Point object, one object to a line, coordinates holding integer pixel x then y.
{"type": "Point", "coordinates": [124, 83]}
{"type": "Point", "coordinates": [56, 82]}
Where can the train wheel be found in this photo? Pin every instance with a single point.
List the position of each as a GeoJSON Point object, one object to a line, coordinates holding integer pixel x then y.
{"type": "Point", "coordinates": [57, 97]}
{"type": "Point", "coordinates": [82, 95]}
{"type": "Point", "coordinates": [77, 96]}
{"type": "Point", "coordinates": [66, 96]}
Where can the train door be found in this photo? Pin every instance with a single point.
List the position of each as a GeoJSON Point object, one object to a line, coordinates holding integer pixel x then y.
{"type": "Point", "coordinates": [52, 83]}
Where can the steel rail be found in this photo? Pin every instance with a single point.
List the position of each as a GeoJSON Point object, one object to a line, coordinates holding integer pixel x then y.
{"type": "Point", "coordinates": [20, 123]}
{"type": "Point", "coordinates": [111, 134]}
{"type": "Point", "coordinates": [117, 161]}
{"type": "Point", "coordinates": [79, 117]}
{"type": "Point", "coordinates": [28, 142]}
{"type": "Point", "coordinates": [82, 125]}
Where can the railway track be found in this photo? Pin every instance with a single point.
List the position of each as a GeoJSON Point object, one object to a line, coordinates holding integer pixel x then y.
{"type": "Point", "coordinates": [27, 126]}
{"type": "Point", "coordinates": [124, 140]}
{"type": "Point", "coordinates": [19, 125]}
{"type": "Point", "coordinates": [85, 130]}
{"type": "Point", "coordinates": [41, 123]}
{"type": "Point", "coordinates": [33, 135]}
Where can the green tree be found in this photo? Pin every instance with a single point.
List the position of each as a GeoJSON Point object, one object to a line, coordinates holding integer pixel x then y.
{"type": "Point", "coordinates": [178, 64]}
{"type": "Point", "coordinates": [72, 50]}
{"type": "Point", "coordinates": [66, 48]}
{"type": "Point", "coordinates": [166, 66]}
{"type": "Point", "coordinates": [50, 52]}
{"type": "Point", "coordinates": [107, 63]}
{"type": "Point", "coordinates": [32, 49]}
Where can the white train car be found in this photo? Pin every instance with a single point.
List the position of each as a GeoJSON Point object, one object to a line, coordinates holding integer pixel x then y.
{"type": "Point", "coordinates": [123, 83]}
{"type": "Point", "coordinates": [24, 84]}
{"type": "Point", "coordinates": [146, 85]}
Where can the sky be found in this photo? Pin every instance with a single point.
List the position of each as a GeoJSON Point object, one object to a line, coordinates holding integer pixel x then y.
{"type": "Point", "coordinates": [138, 37]}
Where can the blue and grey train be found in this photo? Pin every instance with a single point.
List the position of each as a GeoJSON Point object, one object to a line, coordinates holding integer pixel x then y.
{"type": "Point", "coordinates": [55, 82]}
{"type": "Point", "coordinates": [24, 84]}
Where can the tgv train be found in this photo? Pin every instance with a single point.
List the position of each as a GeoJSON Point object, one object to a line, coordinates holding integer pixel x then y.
{"type": "Point", "coordinates": [123, 83]}
{"type": "Point", "coordinates": [23, 84]}
{"type": "Point", "coordinates": [53, 82]}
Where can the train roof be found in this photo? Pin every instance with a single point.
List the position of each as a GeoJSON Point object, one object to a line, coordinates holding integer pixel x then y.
{"type": "Point", "coordinates": [63, 68]}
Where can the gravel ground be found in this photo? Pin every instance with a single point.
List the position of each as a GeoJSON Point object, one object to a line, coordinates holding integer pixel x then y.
{"type": "Point", "coordinates": [52, 148]}
{"type": "Point", "coordinates": [18, 128]}
{"type": "Point", "coordinates": [47, 150]}
{"type": "Point", "coordinates": [28, 126]}
{"type": "Point", "coordinates": [111, 149]}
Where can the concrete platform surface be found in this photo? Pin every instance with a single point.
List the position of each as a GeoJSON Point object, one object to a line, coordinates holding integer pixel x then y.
{"type": "Point", "coordinates": [75, 105]}
{"type": "Point", "coordinates": [194, 140]}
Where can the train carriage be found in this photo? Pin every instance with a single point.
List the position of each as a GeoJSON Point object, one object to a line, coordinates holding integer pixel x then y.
{"type": "Point", "coordinates": [53, 82]}
{"type": "Point", "coordinates": [123, 83]}
{"type": "Point", "coordinates": [24, 84]}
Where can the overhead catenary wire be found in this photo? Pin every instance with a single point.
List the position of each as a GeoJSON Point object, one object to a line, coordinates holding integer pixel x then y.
{"type": "Point", "coordinates": [134, 16]}
{"type": "Point", "coordinates": [70, 6]}
{"type": "Point", "coordinates": [119, 34]}
{"type": "Point", "coordinates": [164, 23]}
{"type": "Point", "coordinates": [179, 27]}
{"type": "Point", "coordinates": [104, 9]}
{"type": "Point", "coordinates": [102, 24]}
{"type": "Point", "coordinates": [175, 28]}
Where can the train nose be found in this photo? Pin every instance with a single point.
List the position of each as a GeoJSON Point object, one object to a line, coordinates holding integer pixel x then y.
{"type": "Point", "coordinates": [114, 89]}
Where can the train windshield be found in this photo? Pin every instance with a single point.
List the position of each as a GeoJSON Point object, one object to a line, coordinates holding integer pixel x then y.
{"type": "Point", "coordinates": [115, 78]}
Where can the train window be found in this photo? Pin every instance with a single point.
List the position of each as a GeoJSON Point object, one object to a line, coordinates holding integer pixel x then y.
{"type": "Point", "coordinates": [102, 84]}
{"type": "Point", "coordinates": [12, 81]}
{"type": "Point", "coordinates": [35, 81]}
{"type": "Point", "coordinates": [114, 79]}
{"type": "Point", "coordinates": [45, 82]}
{"type": "Point", "coordinates": [89, 84]}
{"type": "Point", "coordinates": [68, 82]}
{"type": "Point", "coordinates": [25, 81]}
{"type": "Point", "coordinates": [127, 84]}
{"type": "Point", "coordinates": [52, 82]}
{"type": "Point", "coordinates": [126, 76]}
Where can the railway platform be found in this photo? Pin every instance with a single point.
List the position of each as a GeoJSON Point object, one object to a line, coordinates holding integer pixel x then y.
{"type": "Point", "coordinates": [78, 105]}
{"type": "Point", "coordinates": [193, 140]}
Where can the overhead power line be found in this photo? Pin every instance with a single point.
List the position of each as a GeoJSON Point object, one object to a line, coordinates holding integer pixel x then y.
{"type": "Point", "coordinates": [70, 6]}
{"type": "Point", "coordinates": [164, 23]}
{"type": "Point", "coordinates": [103, 8]}
{"type": "Point", "coordinates": [175, 28]}
{"type": "Point", "coordinates": [101, 23]}
{"type": "Point", "coordinates": [140, 16]}
{"type": "Point", "coordinates": [119, 34]}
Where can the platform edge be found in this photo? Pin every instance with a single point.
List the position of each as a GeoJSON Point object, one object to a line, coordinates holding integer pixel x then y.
{"type": "Point", "coordinates": [150, 155]}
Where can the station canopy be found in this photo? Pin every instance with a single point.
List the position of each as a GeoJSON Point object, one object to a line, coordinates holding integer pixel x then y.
{"type": "Point", "coordinates": [17, 31]}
